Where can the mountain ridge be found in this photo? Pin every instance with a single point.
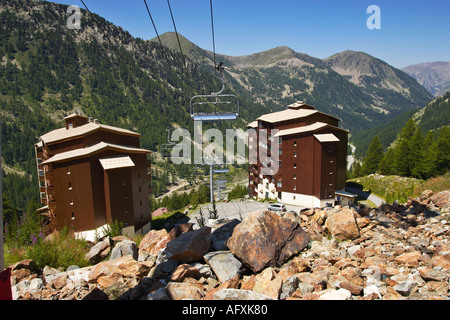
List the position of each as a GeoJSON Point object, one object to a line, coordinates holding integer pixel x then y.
{"type": "Point", "coordinates": [360, 89]}
{"type": "Point", "coordinates": [434, 76]}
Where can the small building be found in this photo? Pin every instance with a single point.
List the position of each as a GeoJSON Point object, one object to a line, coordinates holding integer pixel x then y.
{"type": "Point", "coordinates": [345, 198]}
{"type": "Point", "coordinates": [92, 174]}
{"type": "Point", "coordinates": [311, 155]}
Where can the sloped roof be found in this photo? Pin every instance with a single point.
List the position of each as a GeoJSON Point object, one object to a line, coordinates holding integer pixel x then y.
{"type": "Point", "coordinates": [309, 128]}
{"type": "Point", "coordinates": [64, 134]}
{"type": "Point", "coordinates": [287, 114]}
{"type": "Point", "coordinates": [326, 137]}
{"type": "Point", "coordinates": [83, 152]}
{"type": "Point", "coordinates": [116, 162]}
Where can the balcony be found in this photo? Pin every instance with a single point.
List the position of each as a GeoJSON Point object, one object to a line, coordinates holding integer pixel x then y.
{"type": "Point", "coordinates": [52, 206]}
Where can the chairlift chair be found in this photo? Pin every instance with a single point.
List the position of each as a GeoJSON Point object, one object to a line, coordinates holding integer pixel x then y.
{"type": "Point", "coordinates": [215, 106]}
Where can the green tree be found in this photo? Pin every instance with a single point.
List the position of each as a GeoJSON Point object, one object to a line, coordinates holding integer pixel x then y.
{"type": "Point", "coordinates": [373, 157]}
{"type": "Point", "coordinates": [417, 154]}
{"type": "Point", "coordinates": [443, 151]}
{"type": "Point", "coordinates": [387, 164]}
{"type": "Point", "coordinates": [429, 156]}
{"type": "Point", "coordinates": [404, 158]}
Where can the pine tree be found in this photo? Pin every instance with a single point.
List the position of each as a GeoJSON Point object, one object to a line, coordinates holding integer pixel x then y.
{"type": "Point", "coordinates": [387, 164]}
{"type": "Point", "coordinates": [429, 156]}
{"type": "Point", "coordinates": [404, 158]}
{"type": "Point", "coordinates": [417, 154]}
{"type": "Point", "coordinates": [443, 151]}
{"type": "Point", "coordinates": [373, 157]}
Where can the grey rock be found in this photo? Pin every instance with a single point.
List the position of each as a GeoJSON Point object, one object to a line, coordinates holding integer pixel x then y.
{"type": "Point", "coordinates": [224, 264]}
{"type": "Point", "coordinates": [405, 287]}
{"type": "Point", "coordinates": [289, 287]}
{"type": "Point", "coordinates": [123, 248]}
{"type": "Point", "coordinates": [238, 294]}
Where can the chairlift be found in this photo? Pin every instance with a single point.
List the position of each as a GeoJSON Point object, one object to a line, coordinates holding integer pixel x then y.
{"type": "Point", "coordinates": [221, 169]}
{"type": "Point", "coordinates": [215, 106]}
{"type": "Point", "coordinates": [166, 149]}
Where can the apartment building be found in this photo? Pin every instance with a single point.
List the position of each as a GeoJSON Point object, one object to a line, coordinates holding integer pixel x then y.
{"type": "Point", "coordinates": [91, 174]}
{"type": "Point", "coordinates": [311, 153]}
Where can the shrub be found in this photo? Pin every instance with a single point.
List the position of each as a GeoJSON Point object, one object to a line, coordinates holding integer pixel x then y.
{"type": "Point", "coordinates": [62, 250]}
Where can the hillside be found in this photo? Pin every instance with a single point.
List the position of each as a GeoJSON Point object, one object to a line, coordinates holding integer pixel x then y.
{"type": "Point", "coordinates": [48, 71]}
{"type": "Point", "coordinates": [361, 90]}
{"type": "Point", "coordinates": [433, 116]}
{"type": "Point", "coordinates": [434, 76]}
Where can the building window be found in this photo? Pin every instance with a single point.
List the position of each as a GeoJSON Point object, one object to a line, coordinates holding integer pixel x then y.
{"type": "Point", "coordinates": [293, 198]}
{"type": "Point", "coordinates": [73, 216]}
{"type": "Point", "coordinates": [140, 189]}
{"type": "Point", "coordinates": [295, 187]}
{"type": "Point", "coordinates": [295, 143]}
{"type": "Point", "coordinates": [295, 154]}
{"type": "Point", "coordinates": [125, 195]}
{"type": "Point", "coordinates": [42, 195]}
{"type": "Point", "coordinates": [279, 184]}
{"type": "Point", "coordinates": [295, 165]}
{"type": "Point", "coordinates": [280, 152]}
{"type": "Point", "coordinates": [39, 160]}
{"type": "Point", "coordinates": [331, 160]}
{"type": "Point", "coordinates": [331, 173]}
{"type": "Point", "coordinates": [68, 170]}
{"type": "Point", "coordinates": [71, 201]}
{"type": "Point", "coordinates": [330, 149]}
{"type": "Point", "coordinates": [124, 182]}
{"type": "Point", "coordinates": [295, 176]}
{"type": "Point", "coordinates": [140, 203]}
{"type": "Point", "coordinates": [70, 186]}
{"type": "Point", "coordinates": [41, 173]}
{"type": "Point", "coordinates": [125, 209]}
{"type": "Point", "coordinates": [70, 125]}
{"type": "Point", "coordinates": [279, 163]}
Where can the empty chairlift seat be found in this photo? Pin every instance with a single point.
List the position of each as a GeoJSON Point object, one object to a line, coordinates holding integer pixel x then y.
{"type": "Point", "coordinates": [221, 107]}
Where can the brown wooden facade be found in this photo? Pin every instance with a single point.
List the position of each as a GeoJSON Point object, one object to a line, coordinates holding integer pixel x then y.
{"type": "Point", "coordinates": [92, 174]}
{"type": "Point", "coordinates": [309, 167]}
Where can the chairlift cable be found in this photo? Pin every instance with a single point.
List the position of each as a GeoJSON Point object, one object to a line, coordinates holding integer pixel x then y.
{"type": "Point", "coordinates": [212, 28]}
{"type": "Point", "coordinates": [176, 33]}
{"type": "Point", "coordinates": [157, 34]}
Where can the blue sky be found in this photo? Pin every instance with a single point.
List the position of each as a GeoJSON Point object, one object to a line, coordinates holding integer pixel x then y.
{"type": "Point", "coordinates": [411, 31]}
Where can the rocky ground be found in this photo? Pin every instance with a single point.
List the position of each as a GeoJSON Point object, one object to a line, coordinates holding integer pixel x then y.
{"type": "Point", "coordinates": [392, 252]}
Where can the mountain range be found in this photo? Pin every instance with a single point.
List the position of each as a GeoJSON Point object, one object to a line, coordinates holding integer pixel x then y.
{"type": "Point", "coordinates": [360, 89]}
{"type": "Point", "coordinates": [434, 76]}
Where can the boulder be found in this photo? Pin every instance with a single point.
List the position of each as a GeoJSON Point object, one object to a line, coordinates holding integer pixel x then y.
{"type": "Point", "coordinates": [221, 233]}
{"type": "Point", "coordinates": [238, 294]}
{"type": "Point", "coordinates": [99, 251]}
{"type": "Point", "coordinates": [411, 259]}
{"type": "Point", "coordinates": [190, 246]}
{"type": "Point", "coordinates": [265, 239]}
{"type": "Point", "coordinates": [183, 271]}
{"type": "Point", "coordinates": [121, 269]}
{"type": "Point", "coordinates": [441, 260]}
{"type": "Point", "coordinates": [342, 225]}
{"type": "Point", "coordinates": [183, 290]}
{"type": "Point", "coordinates": [441, 199]}
{"type": "Point", "coordinates": [123, 248]}
{"type": "Point", "coordinates": [154, 241]}
{"type": "Point", "coordinates": [223, 264]}
{"type": "Point", "coordinates": [405, 287]}
{"type": "Point", "coordinates": [340, 294]}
